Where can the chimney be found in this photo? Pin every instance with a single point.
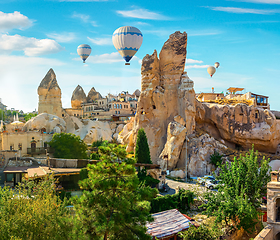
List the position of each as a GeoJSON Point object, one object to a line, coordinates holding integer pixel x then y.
{"type": "Point", "coordinates": [274, 176]}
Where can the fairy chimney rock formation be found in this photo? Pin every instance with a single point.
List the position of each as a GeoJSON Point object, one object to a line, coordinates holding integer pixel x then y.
{"type": "Point", "coordinates": [49, 95]}
{"type": "Point", "coordinates": [78, 97]}
{"type": "Point", "coordinates": [167, 105]}
{"type": "Point", "coordinates": [93, 95]}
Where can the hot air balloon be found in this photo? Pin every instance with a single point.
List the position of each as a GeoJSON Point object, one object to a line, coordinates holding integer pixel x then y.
{"type": "Point", "coordinates": [217, 64]}
{"type": "Point", "coordinates": [211, 70]}
{"type": "Point", "coordinates": [84, 51]}
{"type": "Point", "coordinates": [127, 40]}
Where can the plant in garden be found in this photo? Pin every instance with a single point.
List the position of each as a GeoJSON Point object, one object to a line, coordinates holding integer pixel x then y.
{"type": "Point", "coordinates": [114, 206]}
{"type": "Point", "coordinates": [239, 196]}
{"type": "Point", "coordinates": [69, 146]}
{"type": "Point", "coordinates": [142, 151]}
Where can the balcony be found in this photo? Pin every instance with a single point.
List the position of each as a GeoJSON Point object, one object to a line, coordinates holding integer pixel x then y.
{"type": "Point", "coordinates": [41, 150]}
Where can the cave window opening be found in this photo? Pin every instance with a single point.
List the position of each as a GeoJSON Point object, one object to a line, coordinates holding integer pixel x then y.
{"type": "Point", "coordinates": [277, 210]}
{"type": "Point", "coordinates": [154, 107]}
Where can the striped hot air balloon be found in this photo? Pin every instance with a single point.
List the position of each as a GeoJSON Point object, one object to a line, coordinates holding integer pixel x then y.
{"type": "Point", "coordinates": [84, 51]}
{"type": "Point", "coordinates": [127, 40]}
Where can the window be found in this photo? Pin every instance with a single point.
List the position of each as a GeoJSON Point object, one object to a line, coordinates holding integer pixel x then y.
{"type": "Point", "coordinates": [77, 115]}
{"type": "Point", "coordinates": [115, 106]}
{"type": "Point", "coordinates": [116, 112]}
{"type": "Point", "coordinates": [97, 113]}
{"type": "Point", "coordinates": [12, 147]}
{"type": "Point", "coordinates": [120, 106]}
{"type": "Point", "coordinates": [19, 146]}
{"type": "Point", "coordinates": [74, 114]}
{"type": "Point", "coordinates": [102, 102]}
{"type": "Point", "coordinates": [62, 115]}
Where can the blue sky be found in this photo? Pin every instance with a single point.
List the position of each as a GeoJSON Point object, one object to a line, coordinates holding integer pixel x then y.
{"type": "Point", "coordinates": [243, 35]}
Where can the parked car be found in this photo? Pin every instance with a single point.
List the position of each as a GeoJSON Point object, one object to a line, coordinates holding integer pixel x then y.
{"type": "Point", "coordinates": [202, 180]}
{"type": "Point", "coordinates": [211, 184]}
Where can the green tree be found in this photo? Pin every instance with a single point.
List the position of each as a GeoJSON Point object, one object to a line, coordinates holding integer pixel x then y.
{"type": "Point", "coordinates": [240, 194]}
{"type": "Point", "coordinates": [114, 206]}
{"type": "Point", "coordinates": [33, 211]}
{"type": "Point", "coordinates": [68, 145]}
{"type": "Point", "coordinates": [28, 116]}
{"type": "Point", "coordinates": [142, 151]}
{"type": "Point", "coordinates": [2, 115]}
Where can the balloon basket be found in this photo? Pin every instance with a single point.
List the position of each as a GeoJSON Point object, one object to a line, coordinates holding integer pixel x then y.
{"type": "Point", "coordinates": [127, 64]}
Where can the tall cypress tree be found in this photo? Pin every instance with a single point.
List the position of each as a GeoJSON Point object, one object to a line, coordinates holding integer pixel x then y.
{"type": "Point", "coordinates": [142, 151]}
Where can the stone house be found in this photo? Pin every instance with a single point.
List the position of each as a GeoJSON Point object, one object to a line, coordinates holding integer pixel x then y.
{"type": "Point", "coordinates": [272, 230]}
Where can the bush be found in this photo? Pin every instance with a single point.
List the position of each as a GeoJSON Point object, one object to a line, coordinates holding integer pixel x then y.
{"type": "Point", "coordinates": [146, 179]}
{"type": "Point", "coordinates": [202, 232]}
{"type": "Point", "coordinates": [94, 156]}
{"type": "Point", "coordinates": [181, 200]}
{"type": "Point", "coordinates": [216, 159]}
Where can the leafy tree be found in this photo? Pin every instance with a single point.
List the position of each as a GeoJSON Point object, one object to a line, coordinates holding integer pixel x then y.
{"type": "Point", "coordinates": [142, 151]}
{"type": "Point", "coordinates": [68, 145]}
{"type": "Point", "coordinates": [28, 116]}
{"type": "Point", "coordinates": [2, 115]}
{"type": "Point", "coordinates": [239, 196]}
{"type": "Point", "coordinates": [33, 211]}
{"type": "Point", "coordinates": [114, 206]}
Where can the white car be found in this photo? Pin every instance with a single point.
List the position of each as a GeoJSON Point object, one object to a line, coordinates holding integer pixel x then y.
{"type": "Point", "coordinates": [211, 184]}
{"type": "Point", "coordinates": [202, 180]}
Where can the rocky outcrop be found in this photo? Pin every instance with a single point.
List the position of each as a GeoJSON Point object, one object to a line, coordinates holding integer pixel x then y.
{"type": "Point", "coordinates": [49, 95]}
{"type": "Point", "coordinates": [93, 95]}
{"type": "Point", "coordinates": [137, 93]}
{"type": "Point", "coordinates": [78, 97]}
{"type": "Point", "coordinates": [241, 125]}
{"type": "Point", "coordinates": [88, 130]}
{"type": "Point", "coordinates": [166, 94]}
{"type": "Point", "coordinates": [198, 156]}
{"type": "Point", "coordinates": [45, 122]}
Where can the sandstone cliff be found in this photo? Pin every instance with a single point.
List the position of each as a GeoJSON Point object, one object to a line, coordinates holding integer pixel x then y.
{"type": "Point", "coordinates": [240, 125]}
{"type": "Point", "coordinates": [49, 95]}
{"type": "Point", "coordinates": [166, 107]}
{"type": "Point", "coordinates": [78, 97]}
{"type": "Point", "coordinates": [172, 117]}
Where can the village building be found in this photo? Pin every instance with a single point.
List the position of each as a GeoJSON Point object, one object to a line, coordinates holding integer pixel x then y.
{"type": "Point", "coordinates": [168, 224]}
{"type": "Point", "coordinates": [2, 106]}
{"type": "Point", "coordinates": [234, 96]}
{"type": "Point", "coordinates": [272, 230]}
